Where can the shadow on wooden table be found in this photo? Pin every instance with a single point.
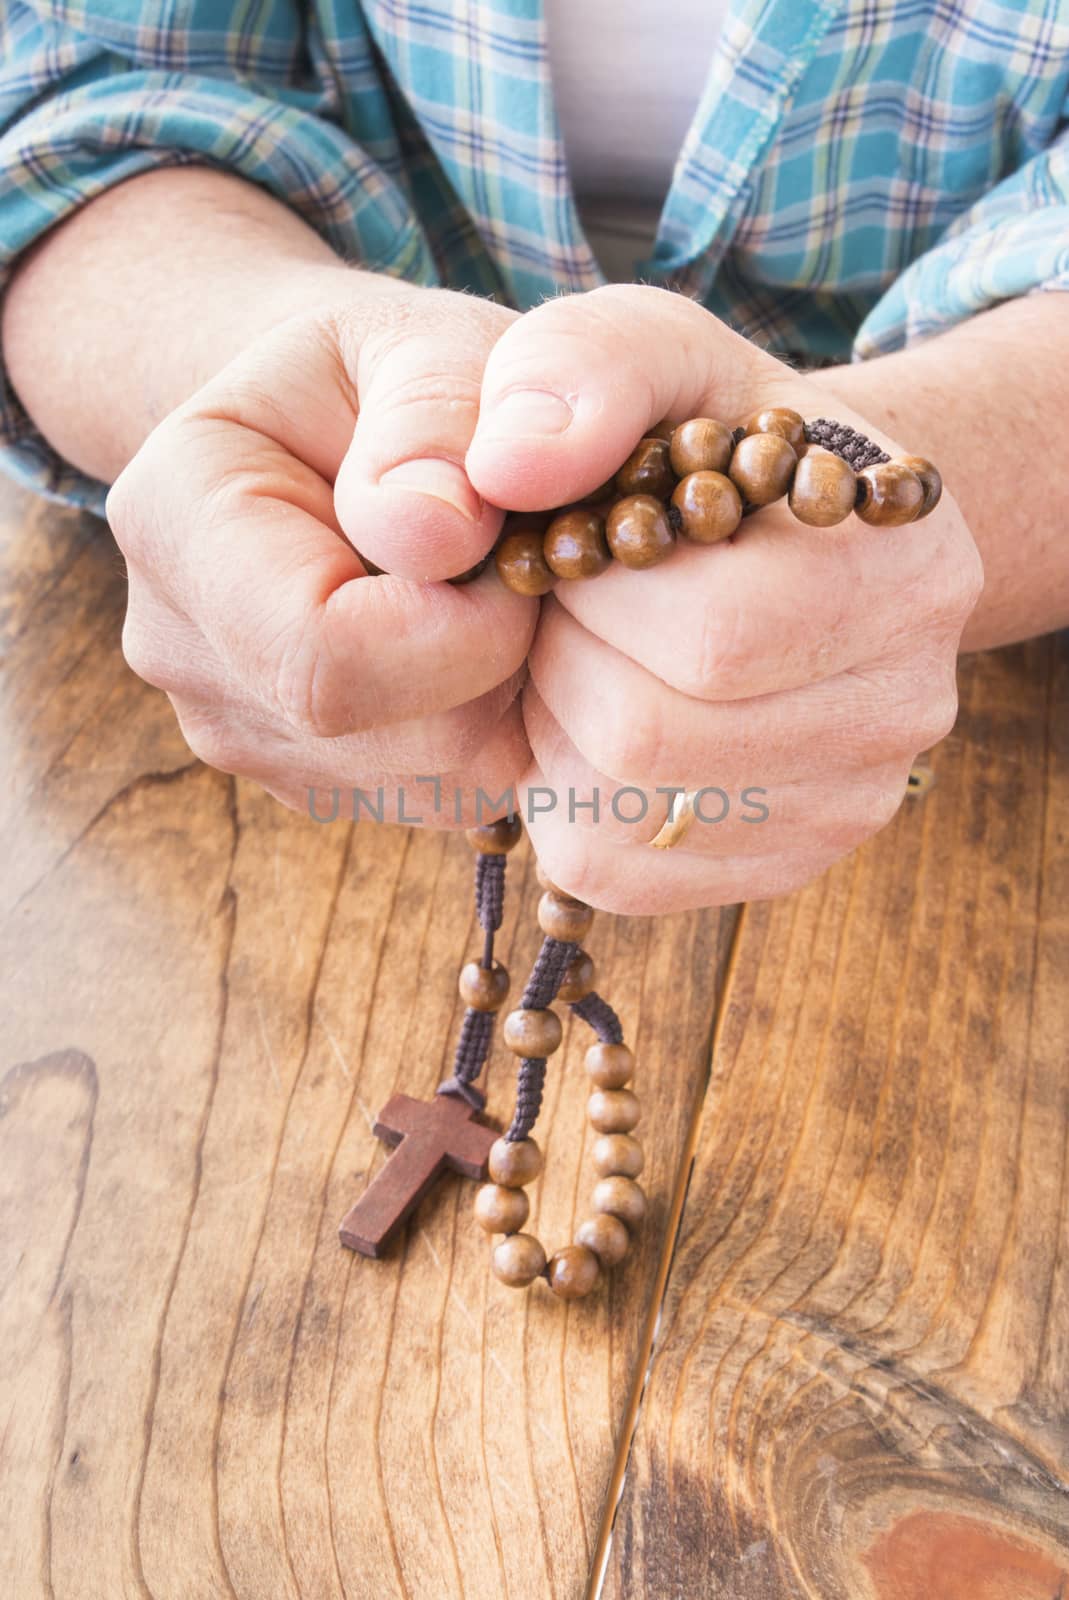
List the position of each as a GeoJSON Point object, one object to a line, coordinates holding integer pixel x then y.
{"type": "Point", "coordinates": [857, 1387]}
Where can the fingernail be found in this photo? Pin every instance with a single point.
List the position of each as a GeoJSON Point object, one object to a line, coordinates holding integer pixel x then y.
{"type": "Point", "coordinates": [526, 412]}
{"type": "Point", "coordinates": [441, 479]}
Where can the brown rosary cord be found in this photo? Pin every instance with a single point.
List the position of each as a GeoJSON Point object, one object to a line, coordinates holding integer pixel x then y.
{"type": "Point", "coordinates": [533, 1032]}
{"type": "Point", "coordinates": [547, 974]}
{"type": "Point", "coordinates": [476, 1030]}
{"type": "Point", "coordinates": [854, 447]}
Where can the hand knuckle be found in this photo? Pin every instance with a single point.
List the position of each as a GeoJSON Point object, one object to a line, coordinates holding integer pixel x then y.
{"type": "Point", "coordinates": [212, 739]}
{"type": "Point", "coordinates": [624, 745]}
{"type": "Point", "coordinates": [394, 335]}
{"type": "Point", "coordinates": [569, 863]}
{"type": "Point", "coordinates": [954, 580]}
{"type": "Point", "coordinates": [874, 805]}
{"type": "Point", "coordinates": [938, 716]}
{"type": "Point", "coordinates": [956, 598]}
{"type": "Point", "coordinates": [305, 690]}
{"type": "Point", "coordinates": [885, 804]}
{"type": "Point", "coordinates": [593, 876]}
{"type": "Point", "coordinates": [867, 807]}
{"type": "Point", "coordinates": [850, 818]}
{"type": "Point", "coordinates": [125, 508]}
{"type": "Point", "coordinates": [446, 391]}
{"type": "Point", "coordinates": [149, 656]}
{"type": "Point", "coordinates": [139, 657]}
{"type": "Point", "coordinates": [717, 665]}
{"type": "Point", "coordinates": [310, 689]}
{"type": "Point", "coordinates": [897, 722]}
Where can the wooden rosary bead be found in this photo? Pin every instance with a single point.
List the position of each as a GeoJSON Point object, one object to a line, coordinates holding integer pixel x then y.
{"type": "Point", "coordinates": [709, 505]}
{"type": "Point", "coordinates": [647, 470]}
{"type": "Point", "coordinates": [471, 573]}
{"type": "Point", "coordinates": [701, 445]}
{"type": "Point", "coordinates": [606, 1235]}
{"type": "Point", "coordinates": [618, 1155]}
{"type": "Point", "coordinates": [496, 838]}
{"type": "Point", "coordinates": [762, 467]}
{"type": "Point", "coordinates": [613, 1110]}
{"type": "Point", "coordinates": [824, 489]}
{"type": "Point", "coordinates": [609, 1066]}
{"type": "Point", "coordinates": [661, 430]}
{"type": "Point", "coordinates": [578, 979]}
{"type": "Point", "coordinates": [514, 1163]}
{"type": "Point", "coordinates": [639, 532]}
{"type": "Point", "coordinates": [931, 482]}
{"type": "Point", "coordinates": [483, 988]}
{"type": "Point", "coordinates": [521, 563]}
{"type": "Point", "coordinates": [783, 422]}
{"type": "Point", "coordinates": [888, 495]}
{"type": "Point", "coordinates": [533, 1033]}
{"type": "Point", "coordinates": [604, 491]}
{"type": "Point", "coordinates": [501, 1210]}
{"type": "Point", "coordinates": [518, 1260]}
{"type": "Point", "coordinates": [573, 1271]}
{"type": "Point", "coordinates": [620, 1197]}
{"type": "Point", "coordinates": [567, 920]}
{"type": "Point", "coordinates": [574, 545]}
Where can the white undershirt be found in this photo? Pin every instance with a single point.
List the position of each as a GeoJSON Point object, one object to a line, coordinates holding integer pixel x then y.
{"type": "Point", "coordinates": [627, 80]}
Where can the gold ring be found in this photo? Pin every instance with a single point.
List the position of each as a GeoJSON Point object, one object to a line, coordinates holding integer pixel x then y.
{"type": "Point", "coordinates": [679, 818]}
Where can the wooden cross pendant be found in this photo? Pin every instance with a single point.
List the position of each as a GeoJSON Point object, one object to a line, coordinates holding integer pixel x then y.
{"type": "Point", "coordinates": [431, 1136]}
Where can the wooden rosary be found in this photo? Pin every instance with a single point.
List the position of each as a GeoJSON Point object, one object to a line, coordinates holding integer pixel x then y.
{"type": "Point", "coordinates": [698, 481]}
{"type": "Point", "coordinates": [442, 1134]}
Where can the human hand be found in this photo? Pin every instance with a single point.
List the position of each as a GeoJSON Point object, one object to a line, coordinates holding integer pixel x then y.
{"type": "Point", "coordinates": [248, 604]}
{"type": "Point", "coordinates": [810, 664]}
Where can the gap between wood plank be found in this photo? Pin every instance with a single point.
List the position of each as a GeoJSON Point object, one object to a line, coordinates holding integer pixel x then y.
{"type": "Point", "coordinates": [600, 1561]}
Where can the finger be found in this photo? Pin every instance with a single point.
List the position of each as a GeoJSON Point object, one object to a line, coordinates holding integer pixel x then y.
{"type": "Point", "coordinates": [402, 494]}
{"type": "Point", "coordinates": [286, 606]}
{"type": "Point", "coordinates": [836, 812]}
{"type": "Point", "coordinates": [775, 609]}
{"type": "Point", "coordinates": [164, 648]}
{"type": "Point", "coordinates": [636, 880]}
{"type": "Point", "coordinates": [232, 734]}
{"type": "Point", "coordinates": [775, 606]}
{"type": "Point", "coordinates": [373, 386]}
{"type": "Point", "coordinates": [629, 724]}
{"type": "Point", "coordinates": [292, 388]}
{"type": "Point", "coordinates": [572, 386]}
{"type": "Point", "coordinates": [339, 779]}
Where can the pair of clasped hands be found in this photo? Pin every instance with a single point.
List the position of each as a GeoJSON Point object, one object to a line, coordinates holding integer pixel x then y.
{"type": "Point", "coordinates": [810, 664]}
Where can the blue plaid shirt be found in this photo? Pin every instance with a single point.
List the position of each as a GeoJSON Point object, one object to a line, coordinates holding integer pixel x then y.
{"type": "Point", "coordinates": [858, 173]}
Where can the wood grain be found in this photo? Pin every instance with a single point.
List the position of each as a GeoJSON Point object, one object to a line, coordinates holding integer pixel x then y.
{"type": "Point", "coordinates": [207, 999]}
{"type": "Point", "coordinates": [859, 1389]}
{"type": "Point", "coordinates": [855, 1259]}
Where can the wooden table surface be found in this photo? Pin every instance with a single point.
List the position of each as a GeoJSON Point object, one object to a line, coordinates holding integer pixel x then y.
{"type": "Point", "coordinates": [836, 1364]}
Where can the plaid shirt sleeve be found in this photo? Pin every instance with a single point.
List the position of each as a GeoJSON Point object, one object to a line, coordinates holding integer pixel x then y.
{"type": "Point", "coordinates": [428, 149]}
{"type": "Point", "coordinates": [80, 112]}
{"type": "Point", "coordinates": [1013, 241]}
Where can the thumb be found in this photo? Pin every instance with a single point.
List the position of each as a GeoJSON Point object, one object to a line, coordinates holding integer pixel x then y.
{"type": "Point", "coordinates": [402, 496]}
{"type": "Point", "coordinates": [571, 387]}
